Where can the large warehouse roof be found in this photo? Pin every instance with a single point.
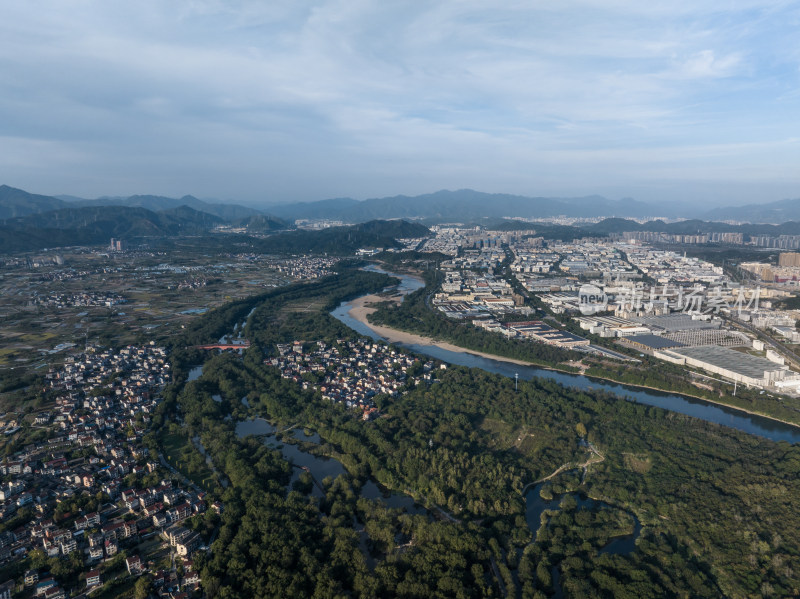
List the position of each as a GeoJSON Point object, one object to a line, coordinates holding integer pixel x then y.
{"type": "Point", "coordinates": [676, 322]}
{"type": "Point", "coordinates": [654, 341]}
{"type": "Point", "coordinates": [723, 357]}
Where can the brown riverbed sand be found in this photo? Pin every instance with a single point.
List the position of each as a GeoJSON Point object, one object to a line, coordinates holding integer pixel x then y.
{"type": "Point", "coordinates": [359, 310]}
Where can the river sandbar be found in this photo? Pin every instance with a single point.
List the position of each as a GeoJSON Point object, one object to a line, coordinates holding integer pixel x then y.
{"type": "Point", "coordinates": [359, 310]}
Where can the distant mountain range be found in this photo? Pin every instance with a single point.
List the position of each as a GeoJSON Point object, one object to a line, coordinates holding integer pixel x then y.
{"type": "Point", "coordinates": [17, 202]}
{"type": "Point", "coordinates": [119, 219]}
{"type": "Point", "coordinates": [773, 212]}
{"type": "Point", "coordinates": [94, 225]}
{"type": "Point", "coordinates": [465, 205]}
{"type": "Point", "coordinates": [227, 212]}
{"type": "Point", "coordinates": [31, 221]}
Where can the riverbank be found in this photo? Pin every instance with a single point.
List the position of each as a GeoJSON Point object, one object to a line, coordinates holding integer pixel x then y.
{"type": "Point", "coordinates": [700, 398]}
{"type": "Point", "coordinates": [359, 310]}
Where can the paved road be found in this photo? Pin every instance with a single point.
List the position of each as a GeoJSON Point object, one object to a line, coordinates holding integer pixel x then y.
{"type": "Point", "coordinates": [595, 457]}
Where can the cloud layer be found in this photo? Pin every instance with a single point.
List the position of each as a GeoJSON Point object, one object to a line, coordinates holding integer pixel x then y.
{"type": "Point", "coordinates": [280, 101]}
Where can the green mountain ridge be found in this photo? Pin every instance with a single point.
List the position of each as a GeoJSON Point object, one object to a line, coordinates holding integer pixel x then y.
{"type": "Point", "coordinates": [769, 213]}
{"type": "Point", "coordinates": [228, 212]}
{"type": "Point", "coordinates": [691, 227]}
{"type": "Point", "coordinates": [462, 205]}
{"type": "Point", "coordinates": [91, 226]}
{"type": "Point", "coordinates": [17, 202]}
{"type": "Point", "coordinates": [261, 223]}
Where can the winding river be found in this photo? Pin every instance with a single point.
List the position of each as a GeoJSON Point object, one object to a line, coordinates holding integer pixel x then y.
{"type": "Point", "coordinates": [320, 467]}
{"type": "Point", "coordinates": [697, 408]}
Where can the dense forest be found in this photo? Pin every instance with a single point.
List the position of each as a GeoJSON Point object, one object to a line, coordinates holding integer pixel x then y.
{"type": "Point", "coordinates": [717, 506]}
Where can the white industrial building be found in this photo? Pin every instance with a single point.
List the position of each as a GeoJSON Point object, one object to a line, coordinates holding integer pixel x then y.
{"type": "Point", "coordinates": [737, 366]}
{"type": "Point", "coordinates": [612, 326]}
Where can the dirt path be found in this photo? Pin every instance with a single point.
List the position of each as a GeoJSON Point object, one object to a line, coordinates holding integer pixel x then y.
{"type": "Point", "coordinates": [595, 458]}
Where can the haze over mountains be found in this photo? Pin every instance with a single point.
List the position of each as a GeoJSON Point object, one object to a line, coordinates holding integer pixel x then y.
{"type": "Point", "coordinates": [31, 222]}
{"type": "Point", "coordinates": [464, 205]}
{"type": "Point", "coordinates": [97, 224]}
{"type": "Point", "coordinates": [773, 212]}
{"type": "Point", "coordinates": [17, 202]}
{"type": "Point", "coordinates": [224, 211]}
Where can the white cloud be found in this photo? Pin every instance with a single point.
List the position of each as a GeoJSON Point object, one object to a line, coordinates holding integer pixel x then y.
{"type": "Point", "coordinates": [367, 95]}
{"type": "Point", "coordinates": [705, 65]}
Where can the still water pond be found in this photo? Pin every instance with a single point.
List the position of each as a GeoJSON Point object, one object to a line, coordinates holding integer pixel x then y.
{"type": "Point", "coordinates": [535, 506]}
{"type": "Point", "coordinates": [320, 466]}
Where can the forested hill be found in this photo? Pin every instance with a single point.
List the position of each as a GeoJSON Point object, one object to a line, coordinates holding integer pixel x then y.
{"type": "Point", "coordinates": [689, 227]}
{"type": "Point", "coordinates": [344, 240]}
{"type": "Point", "coordinates": [772, 212]}
{"type": "Point", "coordinates": [461, 205]}
{"type": "Point", "coordinates": [261, 223]}
{"type": "Point", "coordinates": [160, 203]}
{"type": "Point", "coordinates": [89, 226]}
{"type": "Point", "coordinates": [95, 225]}
{"type": "Point", "coordinates": [610, 226]}
{"type": "Point", "coordinates": [16, 202]}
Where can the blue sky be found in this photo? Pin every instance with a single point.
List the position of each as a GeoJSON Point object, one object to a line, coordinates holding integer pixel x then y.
{"type": "Point", "coordinates": [281, 101]}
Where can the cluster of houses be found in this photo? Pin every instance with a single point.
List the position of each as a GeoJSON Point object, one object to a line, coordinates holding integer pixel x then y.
{"type": "Point", "coordinates": [192, 284]}
{"type": "Point", "coordinates": [64, 274]}
{"type": "Point", "coordinates": [166, 583]}
{"type": "Point", "coordinates": [104, 403]}
{"type": "Point", "coordinates": [70, 300]}
{"type": "Point", "coordinates": [350, 372]}
{"type": "Point", "coordinates": [304, 267]}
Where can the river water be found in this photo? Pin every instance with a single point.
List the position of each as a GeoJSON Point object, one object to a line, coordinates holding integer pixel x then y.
{"type": "Point", "coordinates": [697, 408]}
{"type": "Point", "coordinates": [321, 467]}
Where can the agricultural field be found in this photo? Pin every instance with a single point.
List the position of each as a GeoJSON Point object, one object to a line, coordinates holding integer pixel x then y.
{"type": "Point", "coordinates": [52, 302]}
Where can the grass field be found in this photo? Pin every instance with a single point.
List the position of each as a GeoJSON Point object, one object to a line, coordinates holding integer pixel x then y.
{"type": "Point", "coordinates": [182, 455]}
{"type": "Point", "coordinates": [314, 305]}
